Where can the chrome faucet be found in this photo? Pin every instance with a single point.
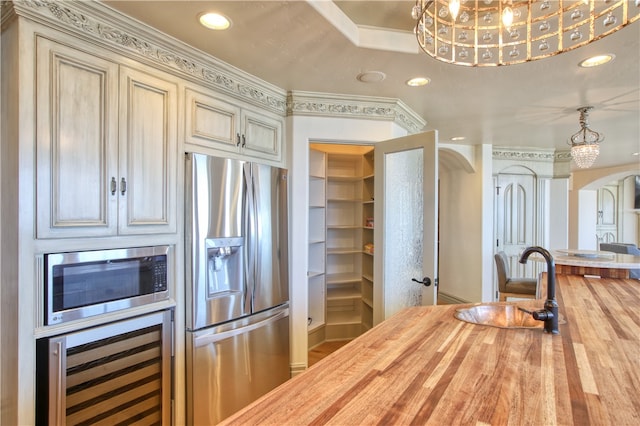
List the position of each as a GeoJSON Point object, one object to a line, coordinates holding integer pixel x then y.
{"type": "Point", "coordinates": [550, 312]}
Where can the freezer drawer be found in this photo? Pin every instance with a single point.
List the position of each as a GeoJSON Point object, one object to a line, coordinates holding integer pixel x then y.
{"type": "Point", "coordinates": [231, 365]}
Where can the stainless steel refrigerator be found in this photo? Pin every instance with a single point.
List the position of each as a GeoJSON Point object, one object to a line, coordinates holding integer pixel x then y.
{"type": "Point", "coordinates": [237, 284]}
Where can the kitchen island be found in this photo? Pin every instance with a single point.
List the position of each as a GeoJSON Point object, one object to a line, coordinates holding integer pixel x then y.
{"type": "Point", "coordinates": [604, 264]}
{"type": "Point", "coordinates": [423, 366]}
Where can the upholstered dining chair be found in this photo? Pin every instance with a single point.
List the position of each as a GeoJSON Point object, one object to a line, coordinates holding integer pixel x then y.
{"type": "Point", "coordinates": [513, 287]}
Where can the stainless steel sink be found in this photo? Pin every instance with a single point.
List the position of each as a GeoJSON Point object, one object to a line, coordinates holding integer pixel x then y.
{"type": "Point", "coordinates": [498, 315]}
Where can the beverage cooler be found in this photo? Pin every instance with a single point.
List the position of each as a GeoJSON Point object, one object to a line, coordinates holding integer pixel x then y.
{"type": "Point", "coordinates": [117, 373]}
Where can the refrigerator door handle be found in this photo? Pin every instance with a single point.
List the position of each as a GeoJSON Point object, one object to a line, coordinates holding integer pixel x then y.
{"type": "Point", "coordinates": [250, 223]}
{"type": "Point", "coordinates": [247, 232]}
{"type": "Point", "coordinates": [216, 337]}
{"type": "Point", "coordinates": [253, 245]}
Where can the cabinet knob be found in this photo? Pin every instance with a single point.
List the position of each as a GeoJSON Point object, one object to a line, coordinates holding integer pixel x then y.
{"type": "Point", "coordinates": [114, 185]}
{"type": "Point", "coordinates": [123, 186]}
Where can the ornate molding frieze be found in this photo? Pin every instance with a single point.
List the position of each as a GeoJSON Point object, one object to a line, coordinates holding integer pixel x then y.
{"type": "Point", "coordinates": [346, 106]}
{"type": "Point", "coordinates": [522, 154]}
{"type": "Point", "coordinates": [94, 20]}
{"type": "Point", "coordinates": [544, 162]}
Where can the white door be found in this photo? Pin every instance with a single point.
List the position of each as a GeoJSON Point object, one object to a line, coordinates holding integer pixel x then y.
{"type": "Point", "coordinates": [606, 225]}
{"type": "Point", "coordinates": [515, 220]}
{"type": "Point", "coordinates": [406, 215]}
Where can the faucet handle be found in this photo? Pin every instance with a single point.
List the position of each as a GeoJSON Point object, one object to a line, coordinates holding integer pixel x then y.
{"type": "Point", "coordinates": [525, 310]}
{"type": "Point", "coordinates": [539, 315]}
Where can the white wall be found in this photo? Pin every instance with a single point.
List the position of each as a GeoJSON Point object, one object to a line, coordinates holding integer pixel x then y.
{"type": "Point", "coordinates": [630, 217]}
{"type": "Point", "coordinates": [460, 215]}
{"type": "Point", "coordinates": [557, 213]}
{"type": "Point", "coordinates": [587, 219]}
{"type": "Point", "coordinates": [466, 229]}
{"type": "Point", "coordinates": [301, 130]}
{"type": "Point", "coordinates": [580, 225]}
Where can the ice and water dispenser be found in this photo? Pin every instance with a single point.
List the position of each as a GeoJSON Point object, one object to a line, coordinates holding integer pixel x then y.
{"type": "Point", "coordinates": [224, 265]}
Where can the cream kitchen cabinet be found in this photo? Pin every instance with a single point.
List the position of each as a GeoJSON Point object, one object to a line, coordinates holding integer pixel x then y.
{"type": "Point", "coordinates": [212, 121]}
{"type": "Point", "coordinates": [106, 145]}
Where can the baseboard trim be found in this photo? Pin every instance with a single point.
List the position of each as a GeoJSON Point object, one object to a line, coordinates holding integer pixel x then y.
{"type": "Point", "coordinates": [448, 299]}
{"type": "Point", "coordinates": [297, 368]}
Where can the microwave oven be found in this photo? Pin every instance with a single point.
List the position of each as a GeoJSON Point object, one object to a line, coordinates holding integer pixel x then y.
{"type": "Point", "coordinates": [83, 284]}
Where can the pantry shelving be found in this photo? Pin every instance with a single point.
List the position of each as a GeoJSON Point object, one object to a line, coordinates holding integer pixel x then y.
{"type": "Point", "coordinates": [317, 247]}
{"type": "Point", "coordinates": [348, 206]}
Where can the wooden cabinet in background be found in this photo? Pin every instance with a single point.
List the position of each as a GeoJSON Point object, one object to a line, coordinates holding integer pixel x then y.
{"type": "Point", "coordinates": [106, 145]}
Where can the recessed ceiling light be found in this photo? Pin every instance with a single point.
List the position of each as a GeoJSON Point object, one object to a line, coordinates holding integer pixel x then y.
{"type": "Point", "coordinates": [594, 61]}
{"type": "Point", "coordinates": [214, 21]}
{"type": "Point", "coordinates": [458, 138]}
{"type": "Point", "coordinates": [418, 81]}
{"type": "Point", "coordinates": [371, 76]}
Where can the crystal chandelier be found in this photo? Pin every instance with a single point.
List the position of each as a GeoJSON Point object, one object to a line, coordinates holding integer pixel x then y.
{"type": "Point", "coordinates": [505, 32]}
{"type": "Point", "coordinates": [585, 144]}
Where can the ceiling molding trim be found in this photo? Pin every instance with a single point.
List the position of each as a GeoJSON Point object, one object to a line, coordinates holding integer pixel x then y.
{"type": "Point", "coordinates": [336, 17]}
{"type": "Point", "coordinates": [366, 36]}
{"type": "Point", "coordinates": [353, 106]}
{"type": "Point", "coordinates": [386, 39]}
{"type": "Point", "coordinates": [7, 13]}
{"type": "Point", "coordinates": [96, 21]}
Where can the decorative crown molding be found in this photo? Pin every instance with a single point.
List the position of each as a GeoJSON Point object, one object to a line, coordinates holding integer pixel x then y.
{"type": "Point", "coordinates": [501, 153]}
{"type": "Point", "coordinates": [96, 21]}
{"type": "Point", "coordinates": [7, 13]}
{"type": "Point", "coordinates": [99, 22]}
{"type": "Point", "coordinates": [530, 154]}
{"type": "Point", "coordinates": [546, 162]}
{"type": "Point", "coordinates": [347, 106]}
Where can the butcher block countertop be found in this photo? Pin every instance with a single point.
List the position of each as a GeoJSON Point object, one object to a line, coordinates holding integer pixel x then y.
{"type": "Point", "coordinates": [423, 366]}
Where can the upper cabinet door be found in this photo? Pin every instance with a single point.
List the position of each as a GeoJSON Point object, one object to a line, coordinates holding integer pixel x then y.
{"type": "Point", "coordinates": [262, 135]}
{"type": "Point", "coordinates": [211, 122]}
{"type": "Point", "coordinates": [148, 158]}
{"type": "Point", "coordinates": [215, 123]}
{"type": "Point", "coordinates": [77, 144]}
{"type": "Point", "coordinates": [106, 146]}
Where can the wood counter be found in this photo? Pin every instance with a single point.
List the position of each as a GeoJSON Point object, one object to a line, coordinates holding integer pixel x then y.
{"type": "Point", "coordinates": [423, 366]}
{"type": "Point", "coordinates": [605, 264]}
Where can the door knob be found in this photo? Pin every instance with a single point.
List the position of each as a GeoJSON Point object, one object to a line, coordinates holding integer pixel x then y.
{"type": "Point", "coordinates": [426, 281]}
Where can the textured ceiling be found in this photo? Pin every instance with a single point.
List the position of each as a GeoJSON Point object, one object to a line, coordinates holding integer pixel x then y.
{"type": "Point", "coordinates": [293, 46]}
